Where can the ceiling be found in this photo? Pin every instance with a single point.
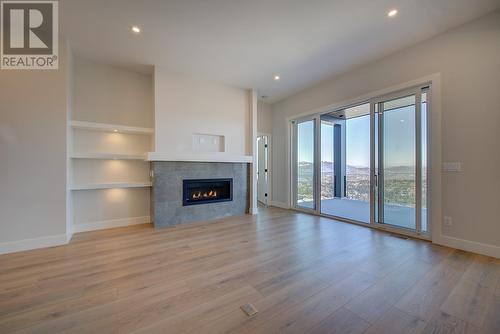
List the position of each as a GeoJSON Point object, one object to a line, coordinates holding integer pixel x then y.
{"type": "Point", "coordinates": [246, 43]}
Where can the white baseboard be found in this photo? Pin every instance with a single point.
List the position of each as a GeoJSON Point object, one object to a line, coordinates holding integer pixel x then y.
{"type": "Point", "coordinates": [35, 243]}
{"type": "Point", "coordinates": [467, 245]}
{"type": "Point", "coordinates": [105, 224]}
{"type": "Point", "coordinates": [279, 205]}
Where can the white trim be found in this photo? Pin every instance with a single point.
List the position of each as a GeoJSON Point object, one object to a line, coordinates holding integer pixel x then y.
{"type": "Point", "coordinates": [199, 157]}
{"type": "Point", "coordinates": [279, 205]}
{"type": "Point", "coordinates": [112, 223]}
{"type": "Point", "coordinates": [92, 126]}
{"type": "Point", "coordinates": [289, 157]}
{"type": "Point", "coordinates": [252, 149]}
{"type": "Point", "coordinates": [467, 245]}
{"type": "Point", "coordinates": [35, 243]}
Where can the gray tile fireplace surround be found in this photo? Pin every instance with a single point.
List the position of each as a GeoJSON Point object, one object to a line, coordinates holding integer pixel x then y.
{"type": "Point", "coordinates": [167, 208]}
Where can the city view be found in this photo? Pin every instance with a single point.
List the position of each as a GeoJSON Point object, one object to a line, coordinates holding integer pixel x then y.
{"type": "Point", "coordinates": [345, 151]}
{"type": "Point", "coordinates": [399, 183]}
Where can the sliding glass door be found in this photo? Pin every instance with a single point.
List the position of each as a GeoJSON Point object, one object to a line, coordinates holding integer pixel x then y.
{"type": "Point", "coordinates": [424, 148]}
{"type": "Point", "coordinates": [345, 163]}
{"type": "Point", "coordinates": [304, 164]}
{"type": "Point", "coordinates": [397, 171]}
{"type": "Point", "coordinates": [366, 162]}
{"type": "Point", "coordinates": [401, 160]}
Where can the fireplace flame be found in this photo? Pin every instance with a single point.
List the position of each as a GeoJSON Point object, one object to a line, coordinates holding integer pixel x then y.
{"type": "Point", "coordinates": [206, 194]}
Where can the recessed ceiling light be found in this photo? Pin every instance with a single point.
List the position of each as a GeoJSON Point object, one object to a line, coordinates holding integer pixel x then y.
{"type": "Point", "coordinates": [115, 130]}
{"type": "Point", "coordinates": [136, 29]}
{"type": "Point", "coordinates": [276, 77]}
{"type": "Point", "coordinates": [392, 13]}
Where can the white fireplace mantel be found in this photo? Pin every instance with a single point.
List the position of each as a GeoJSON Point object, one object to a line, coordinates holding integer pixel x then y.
{"type": "Point", "coordinates": [199, 157]}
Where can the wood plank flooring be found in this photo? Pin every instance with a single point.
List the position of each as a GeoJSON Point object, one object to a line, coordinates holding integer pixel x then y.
{"type": "Point", "coordinates": [304, 274]}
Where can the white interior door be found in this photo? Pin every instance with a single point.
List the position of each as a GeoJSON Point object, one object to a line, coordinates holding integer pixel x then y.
{"type": "Point", "coordinates": [262, 170]}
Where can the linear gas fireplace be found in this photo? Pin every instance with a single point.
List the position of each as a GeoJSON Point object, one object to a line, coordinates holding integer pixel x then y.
{"type": "Point", "coordinates": [204, 191]}
{"type": "Point", "coordinates": [177, 188]}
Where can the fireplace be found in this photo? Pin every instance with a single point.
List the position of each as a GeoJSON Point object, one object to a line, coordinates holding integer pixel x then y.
{"type": "Point", "coordinates": [203, 191]}
{"type": "Point", "coordinates": [175, 183]}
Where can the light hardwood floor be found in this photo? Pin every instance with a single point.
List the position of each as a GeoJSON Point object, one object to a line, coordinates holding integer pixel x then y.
{"type": "Point", "coordinates": [304, 274]}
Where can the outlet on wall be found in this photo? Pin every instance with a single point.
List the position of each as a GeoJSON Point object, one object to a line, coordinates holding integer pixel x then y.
{"type": "Point", "coordinates": [452, 166]}
{"type": "Point", "coordinates": [447, 221]}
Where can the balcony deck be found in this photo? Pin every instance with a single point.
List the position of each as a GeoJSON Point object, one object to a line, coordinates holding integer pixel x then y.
{"type": "Point", "coordinates": [398, 215]}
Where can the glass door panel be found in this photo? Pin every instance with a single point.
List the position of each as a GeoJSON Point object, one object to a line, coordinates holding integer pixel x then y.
{"type": "Point", "coordinates": [327, 161]}
{"type": "Point", "coordinates": [305, 166]}
{"type": "Point", "coordinates": [357, 180]}
{"type": "Point", "coordinates": [397, 179]}
{"type": "Point", "coordinates": [424, 159]}
{"type": "Point", "coordinates": [345, 163]}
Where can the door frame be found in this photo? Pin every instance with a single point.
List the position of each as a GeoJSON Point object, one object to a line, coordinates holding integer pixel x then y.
{"type": "Point", "coordinates": [269, 164]}
{"type": "Point", "coordinates": [417, 92]}
{"type": "Point", "coordinates": [293, 128]}
{"type": "Point", "coordinates": [434, 153]}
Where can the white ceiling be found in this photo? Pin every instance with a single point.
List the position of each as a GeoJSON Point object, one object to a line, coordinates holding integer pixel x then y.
{"type": "Point", "coordinates": [245, 43]}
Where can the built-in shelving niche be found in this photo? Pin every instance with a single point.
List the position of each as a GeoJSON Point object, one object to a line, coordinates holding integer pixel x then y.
{"type": "Point", "coordinates": [110, 179]}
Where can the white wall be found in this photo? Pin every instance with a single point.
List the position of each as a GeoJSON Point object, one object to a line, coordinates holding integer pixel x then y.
{"type": "Point", "coordinates": [185, 105]}
{"type": "Point", "coordinates": [468, 59]}
{"type": "Point", "coordinates": [264, 117]}
{"type": "Point", "coordinates": [33, 119]}
{"type": "Point", "coordinates": [111, 94]}
{"type": "Point", "coordinates": [101, 208]}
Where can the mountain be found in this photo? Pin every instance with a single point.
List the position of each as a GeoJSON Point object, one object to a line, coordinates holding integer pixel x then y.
{"type": "Point", "coordinates": [327, 167]}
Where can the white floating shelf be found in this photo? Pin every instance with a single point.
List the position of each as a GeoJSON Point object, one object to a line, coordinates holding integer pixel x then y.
{"type": "Point", "coordinates": [199, 157]}
{"type": "Point", "coordinates": [111, 185]}
{"type": "Point", "coordinates": [109, 156]}
{"type": "Point", "coordinates": [110, 127]}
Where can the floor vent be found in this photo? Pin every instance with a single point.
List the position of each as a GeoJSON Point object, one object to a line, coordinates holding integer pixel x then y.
{"type": "Point", "coordinates": [249, 309]}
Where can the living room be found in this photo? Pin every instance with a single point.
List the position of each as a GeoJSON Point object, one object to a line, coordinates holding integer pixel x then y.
{"type": "Point", "coordinates": [250, 166]}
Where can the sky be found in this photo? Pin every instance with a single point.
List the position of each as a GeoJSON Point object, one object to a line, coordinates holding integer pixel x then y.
{"type": "Point", "coordinates": [399, 134]}
{"type": "Point", "coordinates": [358, 141]}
